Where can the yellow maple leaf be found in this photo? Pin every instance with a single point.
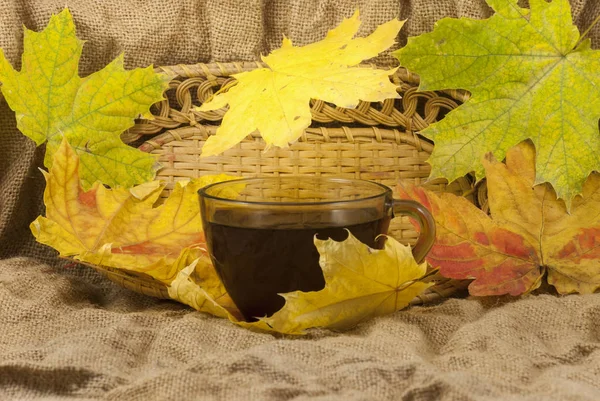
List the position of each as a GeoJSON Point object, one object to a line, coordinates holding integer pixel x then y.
{"type": "Point", "coordinates": [275, 100]}
{"type": "Point", "coordinates": [196, 284]}
{"type": "Point", "coordinates": [119, 227]}
{"type": "Point", "coordinates": [360, 283]}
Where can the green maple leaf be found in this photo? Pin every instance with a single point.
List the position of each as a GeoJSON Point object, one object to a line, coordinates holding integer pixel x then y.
{"type": "Point", "coordinates": [529, 76]}
{"type": "Point", "coordinates": [51, 101]}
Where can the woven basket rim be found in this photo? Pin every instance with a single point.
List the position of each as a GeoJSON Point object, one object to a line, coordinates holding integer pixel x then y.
{"type": "Point", "coordinates": [381, 134]}
{"type": "Point", "coordinates": [193, 83]}
{"type": "Point", "coordinates": [226, 69]}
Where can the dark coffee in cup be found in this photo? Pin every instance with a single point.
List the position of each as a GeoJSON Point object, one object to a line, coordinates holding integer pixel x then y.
{"type": "Point", "coordinates": [261, 255]}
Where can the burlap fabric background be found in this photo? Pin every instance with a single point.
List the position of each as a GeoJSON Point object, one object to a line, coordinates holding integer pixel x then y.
{"type": "Point", "coordinates": [65, 332]}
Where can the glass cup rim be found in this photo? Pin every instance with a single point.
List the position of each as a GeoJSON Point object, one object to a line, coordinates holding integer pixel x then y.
{"type": "Point", "coordinates": [202, 192]}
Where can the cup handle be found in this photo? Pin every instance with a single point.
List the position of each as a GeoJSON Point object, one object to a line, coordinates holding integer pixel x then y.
{"type": "Point", "coordinates": [426, 225]}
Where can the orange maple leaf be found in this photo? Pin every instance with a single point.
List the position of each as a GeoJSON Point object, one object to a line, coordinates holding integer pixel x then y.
{"type": "Point", "coordinates": [119, 227]}
{"type": "Point", "coordinates": [528, 237]}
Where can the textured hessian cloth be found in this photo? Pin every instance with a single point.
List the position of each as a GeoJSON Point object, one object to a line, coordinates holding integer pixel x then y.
{"type": "Point", "coordinates": [66, 332]}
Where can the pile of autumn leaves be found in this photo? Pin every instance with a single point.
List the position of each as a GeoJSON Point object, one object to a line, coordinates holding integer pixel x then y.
{"type": "Point", "coordinates": [534, 101]}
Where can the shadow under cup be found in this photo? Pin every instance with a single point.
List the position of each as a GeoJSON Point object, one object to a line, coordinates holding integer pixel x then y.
{"type": "Point", "coordinates": [260, 231]}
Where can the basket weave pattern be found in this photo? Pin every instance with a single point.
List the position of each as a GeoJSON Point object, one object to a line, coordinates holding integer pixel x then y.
{"type": "Point", "coordinates": [377, 142]}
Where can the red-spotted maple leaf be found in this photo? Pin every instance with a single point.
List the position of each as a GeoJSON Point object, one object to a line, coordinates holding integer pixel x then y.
{"type": "Point", "coordinates": [119, 227]}
{"type": "Point", "coordinates": [528, 237]}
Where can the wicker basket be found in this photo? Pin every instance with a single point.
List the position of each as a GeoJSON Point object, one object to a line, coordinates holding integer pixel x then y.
{"type": "Point", "coordinates": [377, 142]}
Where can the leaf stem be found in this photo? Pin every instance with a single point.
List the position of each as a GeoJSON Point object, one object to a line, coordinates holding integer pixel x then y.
{"type": "Point", "coordinates": [594, 22]}
{"type": "Point", "coordinates": [422, 279]}
{"type": "Point", "coordinates": [223, 89]}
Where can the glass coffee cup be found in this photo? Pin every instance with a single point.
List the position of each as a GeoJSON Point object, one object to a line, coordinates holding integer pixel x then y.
{"type": "Point", "coordinates": [260, 231]}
